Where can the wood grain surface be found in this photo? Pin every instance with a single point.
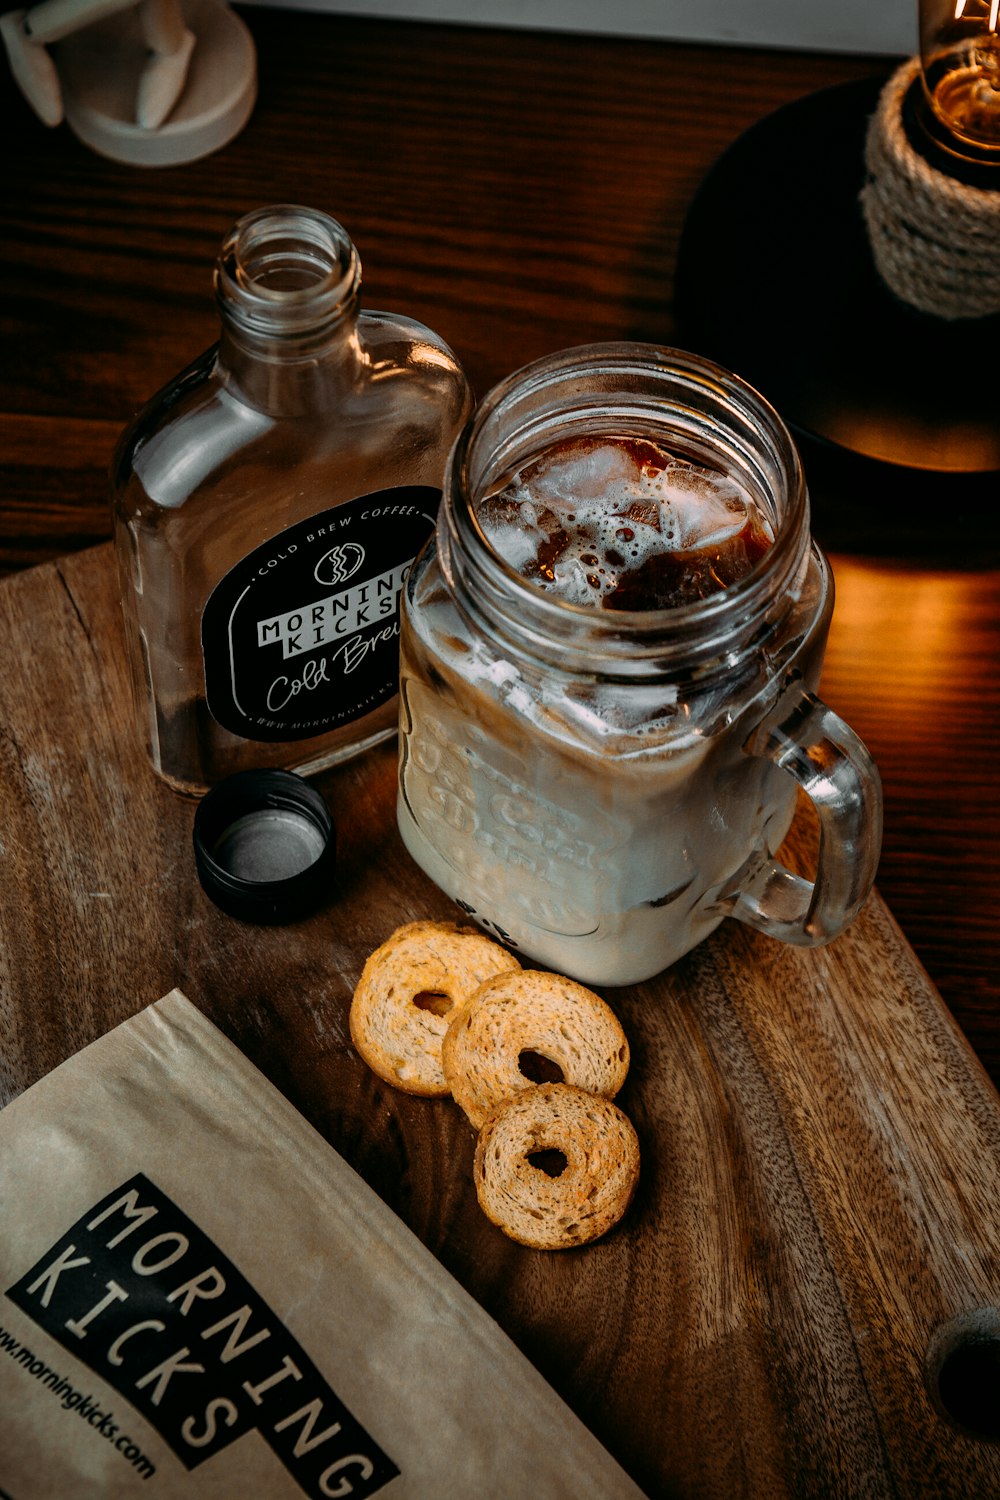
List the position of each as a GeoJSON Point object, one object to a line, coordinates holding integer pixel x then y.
{"type": "Point", "coordinates": [819, 1192]}
{"type": "Point", "coordinates": [815, 1234]}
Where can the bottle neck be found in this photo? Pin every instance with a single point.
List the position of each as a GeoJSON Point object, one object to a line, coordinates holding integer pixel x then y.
{"type": "Point", "coordinates": [287, 284]}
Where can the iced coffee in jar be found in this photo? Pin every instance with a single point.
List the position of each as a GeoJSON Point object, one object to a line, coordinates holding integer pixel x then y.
{"type": "Point", "coordinates": [610, 655]}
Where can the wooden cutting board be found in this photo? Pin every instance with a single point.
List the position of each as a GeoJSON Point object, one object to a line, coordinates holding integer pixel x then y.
{"type": "Point", "coordinates": [804, 1299]}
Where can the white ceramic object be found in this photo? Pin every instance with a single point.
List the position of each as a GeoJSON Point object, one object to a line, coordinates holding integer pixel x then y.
{"type": "Point", "coordinates": [153, 84]}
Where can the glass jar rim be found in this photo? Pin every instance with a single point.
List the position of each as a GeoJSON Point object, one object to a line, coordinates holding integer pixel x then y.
{"type": "Point", "coordinates": [701, 625]}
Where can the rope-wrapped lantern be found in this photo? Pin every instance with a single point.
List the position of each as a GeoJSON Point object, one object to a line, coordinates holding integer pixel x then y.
{"type": "Point", "coordinates": [935, 240]}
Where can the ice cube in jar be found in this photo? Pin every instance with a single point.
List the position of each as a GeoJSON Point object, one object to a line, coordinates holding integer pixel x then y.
{"type": "Point", "coordinates": [622, 523]}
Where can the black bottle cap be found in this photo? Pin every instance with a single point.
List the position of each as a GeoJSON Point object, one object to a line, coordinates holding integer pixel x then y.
{"type": "Point", "coordinates": [265, 846]}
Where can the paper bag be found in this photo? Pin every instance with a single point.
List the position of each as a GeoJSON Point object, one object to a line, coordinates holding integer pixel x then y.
{"type": "Point", "coordinates": [199, 1297]}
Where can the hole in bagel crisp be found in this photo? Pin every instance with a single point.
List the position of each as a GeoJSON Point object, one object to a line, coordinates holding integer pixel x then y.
{"type": "Point", "coordinates": [549, 1160]}
{"type": "Point", "coordinates": [968, 1384]}
{"type": "Point", "coordinates": [538, 1068]}
{"type": "Point", "coordinates": [435, 1001]}
{"type": "Point", "coordinates": [964, 1372]}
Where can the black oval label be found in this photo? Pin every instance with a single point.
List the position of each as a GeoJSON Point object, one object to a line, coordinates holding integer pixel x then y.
{"type": "Point", "coordinates": [302, 635]}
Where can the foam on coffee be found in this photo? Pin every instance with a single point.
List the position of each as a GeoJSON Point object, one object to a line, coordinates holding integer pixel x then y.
{"type": "Point", "coordinates": [622, 523]}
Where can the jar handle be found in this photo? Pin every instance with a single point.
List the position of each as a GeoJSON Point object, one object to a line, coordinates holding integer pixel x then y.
{"type": "Point", "coordinates": [835, 769]}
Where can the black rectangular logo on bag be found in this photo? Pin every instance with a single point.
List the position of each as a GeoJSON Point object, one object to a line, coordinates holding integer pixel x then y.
{"type": "Point", "coordinates": [137, 1292]}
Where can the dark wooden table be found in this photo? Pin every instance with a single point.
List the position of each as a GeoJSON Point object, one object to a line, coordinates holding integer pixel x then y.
{"type": "Point", "coordinates": [519, 192]}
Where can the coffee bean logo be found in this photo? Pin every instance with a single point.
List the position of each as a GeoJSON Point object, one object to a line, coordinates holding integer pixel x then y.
{"type": "Point", "coordinates": [339, 564]}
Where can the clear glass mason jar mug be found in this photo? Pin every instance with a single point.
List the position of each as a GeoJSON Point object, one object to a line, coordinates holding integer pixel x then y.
{"type": "Point", "coordinates": [602, 787]}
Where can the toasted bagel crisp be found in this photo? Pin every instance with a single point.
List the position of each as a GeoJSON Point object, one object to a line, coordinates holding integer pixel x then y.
{"type": "Point", "coordinates": [543, 1015]}
{"type": "Point", "coordinates": [410, 987]}
{"type": "Point", "coordinates": [576, 1204]}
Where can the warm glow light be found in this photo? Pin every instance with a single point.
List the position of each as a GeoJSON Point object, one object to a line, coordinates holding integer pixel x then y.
{"type": "Point", "coordinates": [895, 638]}
{"type": "Point", "coordinates": [994, 12]}
{"type": "Point", "coordinates": [960, 60]}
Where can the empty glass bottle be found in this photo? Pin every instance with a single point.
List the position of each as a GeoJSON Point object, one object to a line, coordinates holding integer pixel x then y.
{"type": "Point", "coordinates": [268, 503]}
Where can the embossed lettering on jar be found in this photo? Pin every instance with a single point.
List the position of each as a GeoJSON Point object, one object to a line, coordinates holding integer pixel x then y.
{"type": "Point", "coordinates": [610, 654]}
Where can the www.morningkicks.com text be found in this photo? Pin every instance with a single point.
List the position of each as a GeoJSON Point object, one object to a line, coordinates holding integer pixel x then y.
{"type": "Point", "coordinates": [76, 1401]}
